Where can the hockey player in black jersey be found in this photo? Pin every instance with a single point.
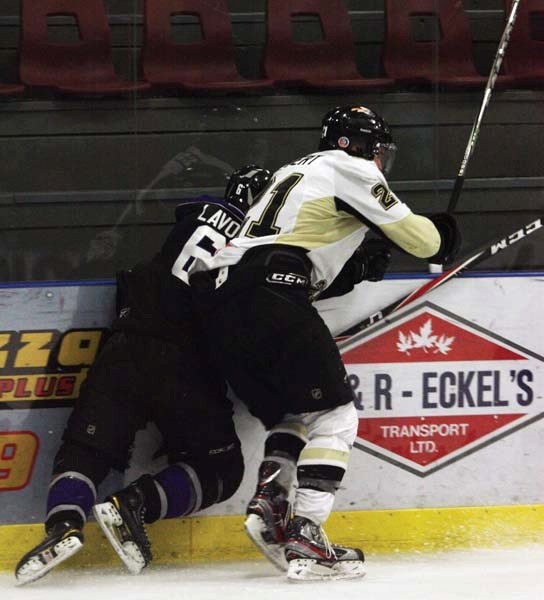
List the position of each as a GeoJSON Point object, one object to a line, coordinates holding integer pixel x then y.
{"type": "Point", "coordinates": [154, 367]}
{"type": "Point", "coordinates": [305, 238]}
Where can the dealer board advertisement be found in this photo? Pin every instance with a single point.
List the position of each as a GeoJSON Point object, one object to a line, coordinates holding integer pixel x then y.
{"type": "Point", "coordinates": [449, 394]}
{"type": "Point", "coordinates": [432, 387]}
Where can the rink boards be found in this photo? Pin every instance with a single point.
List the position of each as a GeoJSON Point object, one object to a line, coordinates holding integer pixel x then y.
{"type": "Point", "coordinates": [449, 395]}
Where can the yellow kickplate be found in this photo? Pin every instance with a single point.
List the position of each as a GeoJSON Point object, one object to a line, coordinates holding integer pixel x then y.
{"type": "Point", "coordinates": [215, 538]}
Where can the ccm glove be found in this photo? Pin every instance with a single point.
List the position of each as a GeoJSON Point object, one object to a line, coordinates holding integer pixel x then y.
{"type": "Point", "coordinates": [375, 257]}
{"type": "Point", "coordinates": [450, 236]}
{"type": "Point", "coordinates": [369, 262]}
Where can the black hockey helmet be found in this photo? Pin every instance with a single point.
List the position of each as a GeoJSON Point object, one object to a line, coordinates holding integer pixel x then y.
{"type": "Point", "coordinates": [358, 131]}
{"type": "Point", "coordinates": [245, 184]}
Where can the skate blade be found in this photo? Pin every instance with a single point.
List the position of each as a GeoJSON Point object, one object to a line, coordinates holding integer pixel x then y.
{"type": "Point", "coordinates": [307, 569]}
{"type": "Point", "coordinates": [255, 527]}
{"type": "Point", "coordinates": [110, 520]}
{"type": "Point", "coordinates": [34, 568]}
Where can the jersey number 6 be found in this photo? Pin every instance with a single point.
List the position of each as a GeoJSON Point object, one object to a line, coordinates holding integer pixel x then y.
{"type": "Point", "coordinates": [204, 242]}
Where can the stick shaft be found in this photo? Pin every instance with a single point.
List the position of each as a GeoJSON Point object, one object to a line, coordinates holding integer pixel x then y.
{"type": "Point", "coordinates": [495, 68]}
{"type": "Point", "coordinates": [483, 253]}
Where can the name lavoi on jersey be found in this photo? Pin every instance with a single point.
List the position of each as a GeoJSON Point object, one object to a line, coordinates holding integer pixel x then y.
{"type": "Point", "coordinates": [220, 220]}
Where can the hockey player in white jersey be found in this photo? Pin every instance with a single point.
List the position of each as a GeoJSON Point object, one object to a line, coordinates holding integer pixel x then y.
{"type": "Point", "coordinates": [299, 242]}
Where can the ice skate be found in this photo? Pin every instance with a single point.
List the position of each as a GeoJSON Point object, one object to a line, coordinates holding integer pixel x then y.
{"type": "Point", "coordinates": [63, 540]}
{"type": "Point", "coordinates": [312, 557]}
{"type": "Point", "coordinates": [121, 518]}
{"type": "Point", "coordinates": [267, 515]}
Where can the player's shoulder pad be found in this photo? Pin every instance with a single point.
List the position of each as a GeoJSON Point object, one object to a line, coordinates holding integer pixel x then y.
{"type": "Point", "coordinates": [365, 169]}
{"type": "Point", "coordinates": [351, 167]}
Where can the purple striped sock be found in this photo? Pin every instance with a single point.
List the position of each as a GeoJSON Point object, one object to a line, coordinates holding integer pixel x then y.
{"type": "Point", "coordinates": [178, 489]}
{"type": "Point", "coordinates": [71, 490]}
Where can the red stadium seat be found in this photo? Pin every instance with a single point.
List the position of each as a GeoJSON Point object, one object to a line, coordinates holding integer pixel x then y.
{"type": "Point", "coordinates": [11, 89]}
{"type": "Point", "coordinates": [328, 63]}
{"type": "Point", "coordinates": [83, 67]}
{"type": "Point", "coordinates": [448, 62]}
{"type": "Point", "coordinates": [208, 64]}
{"type": "Point", "coordinates": [524, 58]}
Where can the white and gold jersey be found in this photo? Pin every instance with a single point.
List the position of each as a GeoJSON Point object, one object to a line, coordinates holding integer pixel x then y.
{"type": "Point", "coordinates": [325, 203]}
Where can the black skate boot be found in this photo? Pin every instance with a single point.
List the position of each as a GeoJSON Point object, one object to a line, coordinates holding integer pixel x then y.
{"type": "Point", "coordinates": [312, 557]}
{"type": "Point", "coordinates": [63, 539]}
{"type": "Point", "coordinates": [121, 518]}
{"type": "Point", "coordinates": [267, 515]}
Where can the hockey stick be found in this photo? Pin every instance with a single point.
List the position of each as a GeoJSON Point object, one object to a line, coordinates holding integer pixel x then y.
{"type": "Point", "coordinates": [495, 68]}
{"type": "Point", "coordinates": [483, 253]}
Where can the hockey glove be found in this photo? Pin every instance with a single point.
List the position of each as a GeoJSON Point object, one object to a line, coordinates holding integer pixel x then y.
{"type": "Point", "coordinates": [369, 262]}
{"type": "Point", "coordinates": [375, 257]}
{"type": "Point", "coordinates": [450, 236]}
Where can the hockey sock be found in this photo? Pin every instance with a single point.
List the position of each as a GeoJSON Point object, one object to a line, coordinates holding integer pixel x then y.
{"type": "Point", "coordinates": [323, 461]}
{"type": "Point", "coordinates": [313, 505]}
{"type": "Point", "coordinates": [283, 446]}
{"type": "Point", "coordinates": [287, 439]}
{"type": "Point", "coordinates": [172, 494]}
{"type": "Point", "coordinates": [71, 496]}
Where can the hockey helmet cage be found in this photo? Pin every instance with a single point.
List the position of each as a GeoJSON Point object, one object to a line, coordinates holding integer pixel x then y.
{"type": "Point", "coordinates": [245, 184]}
{"type": "Point", "coordinates": [358, 131]}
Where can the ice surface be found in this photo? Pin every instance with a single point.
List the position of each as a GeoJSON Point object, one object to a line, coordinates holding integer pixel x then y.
{"type": "Point", "coordinates": [499, 574]}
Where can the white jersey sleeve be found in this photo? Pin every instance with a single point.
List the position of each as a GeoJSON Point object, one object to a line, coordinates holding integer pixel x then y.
{"type": "Point", "coordinates": [360, 185]}
{"type": "Point", "coordinates": [324, 203]}
{"type": "Point", "coordinates": [365, 190]}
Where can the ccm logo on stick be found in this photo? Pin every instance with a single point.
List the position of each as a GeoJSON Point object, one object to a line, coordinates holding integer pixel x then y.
{"type": "Point", "coordinates": [516, 237]}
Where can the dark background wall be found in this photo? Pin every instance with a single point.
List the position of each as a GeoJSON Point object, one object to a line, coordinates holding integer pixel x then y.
{"type": "Point", "coordinates": [87, 186]}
